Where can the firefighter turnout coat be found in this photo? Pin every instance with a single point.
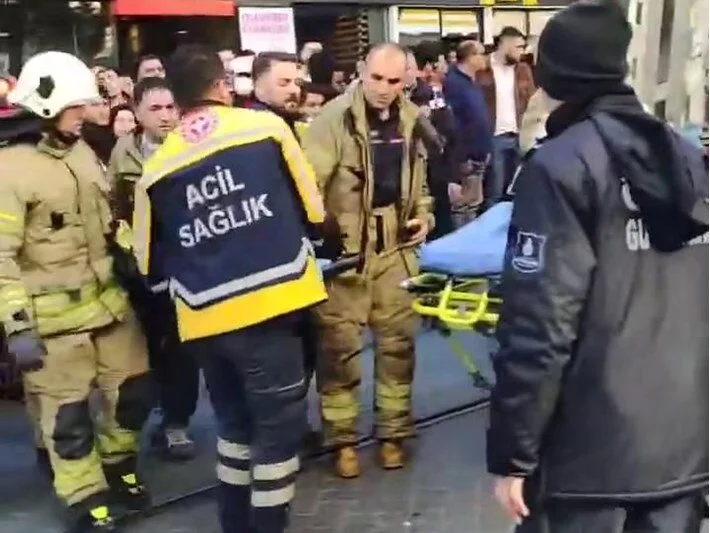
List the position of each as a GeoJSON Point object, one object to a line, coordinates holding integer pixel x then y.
{"type": "Point", "coordinates": [56, 274]}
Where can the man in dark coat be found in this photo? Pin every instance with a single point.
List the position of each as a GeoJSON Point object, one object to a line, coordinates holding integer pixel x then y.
{"type": "Point", "coordinates": [599, 415]}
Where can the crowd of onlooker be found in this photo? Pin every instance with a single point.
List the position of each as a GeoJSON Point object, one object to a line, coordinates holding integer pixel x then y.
{"type": "Point", "coordinates": [473, 122]}
{"type": "Point", "coordinates": [474, 98]}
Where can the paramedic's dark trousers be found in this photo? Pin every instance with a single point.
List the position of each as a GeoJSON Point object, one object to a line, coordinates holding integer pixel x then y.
{"type": "Point", "coordinates": [309, 335]}
{"type": "Point", "coordinates": [256, 383]}
{"type": "Point", "coordinates": [679, 515]}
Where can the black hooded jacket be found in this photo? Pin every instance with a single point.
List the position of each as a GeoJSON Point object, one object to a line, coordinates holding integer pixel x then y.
{"type": "Point", "coordinates": [602, 373]}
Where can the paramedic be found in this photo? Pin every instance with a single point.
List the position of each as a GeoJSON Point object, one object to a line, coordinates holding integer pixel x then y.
{"type": "Point", "coordinates": [68, 322]}
{"type": "Point", "coordinates": [599, 415]}
{"type": "Point", "coordinates": [372, 170]}
{"type": "Point", "coordinates": [212, 215]}
{"type": "Point", "coordinates": [175, 372]}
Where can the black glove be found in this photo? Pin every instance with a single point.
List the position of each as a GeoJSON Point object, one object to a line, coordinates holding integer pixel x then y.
{"type": "Point", "coordinates": [328, 240]}
{"type": "Point", "coordinates": [26, 351]}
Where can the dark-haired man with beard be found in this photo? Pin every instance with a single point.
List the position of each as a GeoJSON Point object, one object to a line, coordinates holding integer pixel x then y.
{"type": "Point", "coordinates": [277, 80]}
{"type": "Point", "coordinates": [507, 84]}
{"type": "Point", "coordinates": [277, 85]}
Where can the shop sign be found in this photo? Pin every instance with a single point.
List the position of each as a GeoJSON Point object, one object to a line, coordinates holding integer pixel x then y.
{"type": "Point", "coordinates": [524, 3]}
{"type": "Point", "coordinates": [502, 3]}
{"type": "Point", "coordinates": [267, 29]}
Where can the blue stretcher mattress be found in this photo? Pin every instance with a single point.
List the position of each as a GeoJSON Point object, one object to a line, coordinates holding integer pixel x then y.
{"type": "Point", "coordinates": [476, 249]}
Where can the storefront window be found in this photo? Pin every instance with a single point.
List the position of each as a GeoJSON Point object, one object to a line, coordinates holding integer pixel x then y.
{"type": "Point", "coordinates": [460, 23]}
{"type": "Point", "coordinates": [509, 17]}
{"type": "Point", "coordinates": [75, 27]}
{"type": "Point", "coordinates": [10, 52]}
{"type": "Point", "coordinates": [536, 22]}
{"type": "Point", "coordinates": [28, 27]}
{"type": "Point", "coordinates": [417, 25]}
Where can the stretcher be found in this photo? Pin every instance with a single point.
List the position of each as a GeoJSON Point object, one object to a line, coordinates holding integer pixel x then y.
{"type": "Point", "coordinates": [331, 269]}
{"type": "Point", "coordinates": [458, 287]}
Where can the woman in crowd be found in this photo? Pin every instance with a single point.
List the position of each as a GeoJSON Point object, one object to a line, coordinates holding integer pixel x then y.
{"type": "Point", "coordinates": [123, 121]}
{"type": "Point", "coordinates": [97, 131]}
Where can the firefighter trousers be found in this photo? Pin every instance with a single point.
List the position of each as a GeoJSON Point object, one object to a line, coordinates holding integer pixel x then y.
{"type": "Point", "coordinates": [682, 514]}
{"type": "Point", "coordinates": [32, 409]}
{"type": "Point", "coordinates": [257, 388]}
{"type": "Point", "coordinates": [113, 362]}
{"type": "Point", "coordinates": [375, 299]}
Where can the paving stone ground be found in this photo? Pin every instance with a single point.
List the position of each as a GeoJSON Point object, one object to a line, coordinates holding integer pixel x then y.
{"type": "Point", "coordinates": [26, 501]}
{"type": "Point", "coordinates": [444, 489]}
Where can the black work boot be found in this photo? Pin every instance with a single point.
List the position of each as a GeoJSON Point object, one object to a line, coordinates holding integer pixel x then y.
{"type": "Point", "coordinates": [91, 516]}
{"type": "Point", "coordinates": [127, 489]}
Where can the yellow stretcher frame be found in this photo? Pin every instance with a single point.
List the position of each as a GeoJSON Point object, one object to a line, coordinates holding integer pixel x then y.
{"type": "Point", "coordinates": [454, 303]}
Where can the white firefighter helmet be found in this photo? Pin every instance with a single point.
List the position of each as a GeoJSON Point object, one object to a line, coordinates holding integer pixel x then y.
{"type": "Point", "coordinates": [53, 81]}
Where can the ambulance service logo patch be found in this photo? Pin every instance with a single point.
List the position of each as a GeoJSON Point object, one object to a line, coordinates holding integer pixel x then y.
{"type": "Point", "coordinates": [529, 253]}
{"type": "Point", "coordinates": [198, 126]}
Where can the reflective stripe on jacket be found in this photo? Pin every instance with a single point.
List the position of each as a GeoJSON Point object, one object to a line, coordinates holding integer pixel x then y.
{"type": "Point", "coordinates": [56, 274]}
{"type": "Point", "coordinates": [214, 210]}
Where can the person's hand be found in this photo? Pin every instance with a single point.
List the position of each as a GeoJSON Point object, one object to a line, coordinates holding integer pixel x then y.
{"type": "Point", "coordinates": [113, 86]}
{"type": "Point", "coordinates": [455, 194]}
{"type": "Point", "coordinates": [26, 350]}
{"type": "Point", "coordinates": [509, 493]}
{"type": "Point", "coordinates": [328, 239]}
{"type": "Point", "coordinates": [417, 230]}
{"type": "Point", "coordinates": [127, 85]}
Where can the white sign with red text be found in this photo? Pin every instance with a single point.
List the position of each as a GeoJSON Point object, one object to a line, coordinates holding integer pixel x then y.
{"type": "Point", "coordinates": [267, 29]}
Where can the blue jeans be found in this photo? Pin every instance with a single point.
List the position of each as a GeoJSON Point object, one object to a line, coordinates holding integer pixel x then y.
{"type": "Point", "coordinates": [505, 158]}
{"type": "Point", "coordinates": [256, 383]}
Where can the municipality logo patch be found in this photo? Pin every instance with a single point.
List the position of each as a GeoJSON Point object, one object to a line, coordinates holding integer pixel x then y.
{"type": "Point", "coordinates": [529, 253]}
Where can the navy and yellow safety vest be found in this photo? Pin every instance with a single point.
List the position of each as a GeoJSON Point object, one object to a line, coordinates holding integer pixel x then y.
{"type": "Point", "coordinates": [216, 214]}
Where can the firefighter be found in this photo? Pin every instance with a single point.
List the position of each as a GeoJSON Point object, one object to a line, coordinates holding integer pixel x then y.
{"type": "Point", "coordinates": [372, 169]}
{"type": "Point", "coordinates": [68, 323]}
{"type": "Point", "coordinates": [221, 213]}
{"type": "Point", "coordinates": [20, 126]}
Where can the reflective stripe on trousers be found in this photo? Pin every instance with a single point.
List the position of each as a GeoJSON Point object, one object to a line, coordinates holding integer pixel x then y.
{"type": "Point", "coordinates": [256, 385]}
{"type": "Point", "coordinates": [271, 484]}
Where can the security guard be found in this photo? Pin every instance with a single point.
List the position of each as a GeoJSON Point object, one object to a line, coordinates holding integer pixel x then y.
{"type": "Point", "coordinates": [372, 169]}
{"type": "Point", "coordinates": [68, 322]}
{"type": "Point", "coordinates": [221, 212]}
{"type": "Point", "coordinates": [605, 305]}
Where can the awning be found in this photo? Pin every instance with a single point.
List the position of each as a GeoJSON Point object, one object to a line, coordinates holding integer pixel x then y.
{"type": "Point", "coordinates": [173, 8]}
{"type": "Point", "coordinates": [472, 4]}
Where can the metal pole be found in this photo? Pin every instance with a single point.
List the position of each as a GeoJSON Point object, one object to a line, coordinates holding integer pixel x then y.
{"type": "Point", "coordinates": [650, 28]}
{"type": "Point", "coordinates": [681, 36]}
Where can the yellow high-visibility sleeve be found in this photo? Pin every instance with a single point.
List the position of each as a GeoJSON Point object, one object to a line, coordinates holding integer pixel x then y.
{"type": "Point", "coordinates": [302, 174]}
